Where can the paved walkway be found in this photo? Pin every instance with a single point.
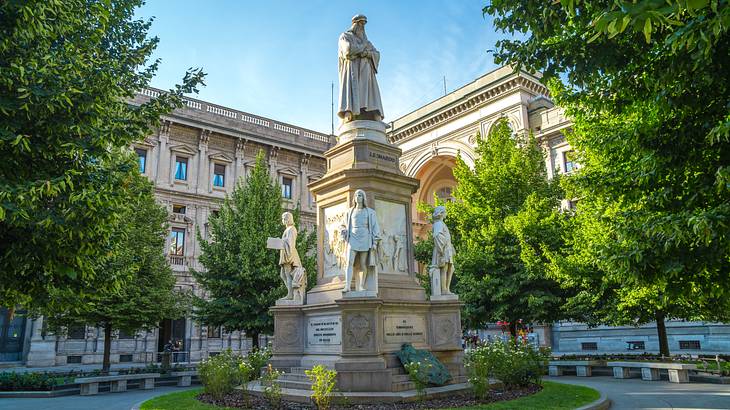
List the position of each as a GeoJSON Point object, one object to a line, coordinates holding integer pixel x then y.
{"type": "Point", "coordinates": [103, 401]}
{"type": "Point", "coordinates": [655, 395]}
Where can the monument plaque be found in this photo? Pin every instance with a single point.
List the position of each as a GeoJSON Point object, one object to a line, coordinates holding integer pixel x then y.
{"type": "Point", "coordinates": [405, 329]}
{"type": "Point", "coordinates": [324, 330]}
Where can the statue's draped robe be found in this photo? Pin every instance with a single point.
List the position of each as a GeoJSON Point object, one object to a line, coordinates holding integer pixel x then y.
{"type": "Point", "coordinates": [358, 87]}
{"type": "Point", "coordinates": [289, 254]}
{"type": "Point", "coordinates": [443, 250]}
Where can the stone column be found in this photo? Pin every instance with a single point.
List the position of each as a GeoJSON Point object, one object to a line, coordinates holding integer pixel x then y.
{"type": "Point", "coordinates": [42, 350]}
{"type": "Point", "coordinates": [239, 170]}
{"type": "Point", "coordinates": [203, 176]}
{"type": "Point", "coordinates": [162, 175]}
{"type": "Point", "coordinates": [303, 190]}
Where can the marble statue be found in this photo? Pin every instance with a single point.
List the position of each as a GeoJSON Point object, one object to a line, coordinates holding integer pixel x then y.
{"type": "Point", "coordinates": [442, 261]}
{"type": "Point", "coordinates": [361, 234]}
{"type": "Point", "coordinates": [359, 97]}
{"type": "Point", "coordinates": [289, 260]}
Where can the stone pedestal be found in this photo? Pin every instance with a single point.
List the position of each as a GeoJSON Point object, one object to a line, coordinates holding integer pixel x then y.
{"type": "Point", "coordinates": [358, 333]}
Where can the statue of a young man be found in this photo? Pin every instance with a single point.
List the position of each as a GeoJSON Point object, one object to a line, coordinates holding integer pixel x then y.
{"type": "Point", "coordinates": [442, 260]}
{"type": "Point", "coordinates": [288, 255]}
{"type": "Point", "coordinates": [359, 97]}
{"type": "Point", "coordinates": [362, 235]}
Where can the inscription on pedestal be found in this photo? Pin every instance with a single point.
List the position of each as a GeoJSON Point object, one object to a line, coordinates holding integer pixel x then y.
{"type": "Point", "coordinates": [405, 329]}
{"type": "Point", "coordinates": [324, 331]}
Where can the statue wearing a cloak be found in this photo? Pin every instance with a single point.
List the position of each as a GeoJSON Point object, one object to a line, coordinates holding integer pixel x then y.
{"type": "Point", "coordinates": [359, 97]}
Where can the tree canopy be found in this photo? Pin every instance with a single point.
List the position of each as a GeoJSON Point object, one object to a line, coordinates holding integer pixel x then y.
{"type": "Point", "coordinates": [144, 293]}
{"type": "Point", "coordinates": [646, 85]}
{"type": "Point", "coordinates": [505, 216]}
{"type": "Point", "coordinates": [67, 72]}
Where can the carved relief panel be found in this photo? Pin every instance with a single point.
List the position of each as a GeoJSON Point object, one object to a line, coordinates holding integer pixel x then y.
{"type": "Point", "coordinates": [334, 246]}
{"type": "Point", "coordinates": [393, 247]}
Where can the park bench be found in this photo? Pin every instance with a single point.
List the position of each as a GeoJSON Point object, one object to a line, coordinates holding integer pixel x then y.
{"type": "Point", "coordinates": [678, 372]}
{"type": "Point", "coordinates": [184, 377]}
{"type": "Point", "coordinates": [117, 383]}
{"type": "Point", "coordinates": [582, 367]}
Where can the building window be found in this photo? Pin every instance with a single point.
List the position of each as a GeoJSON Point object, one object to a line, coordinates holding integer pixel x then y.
{"type": "Point", "coordinates": [689, 345]}
{"type": "Point", "coordinates": [636, 345]}
{"type": "Point", "coordinates": [569, 161]}
{"type": "Point", "coordinates": [77, 332]}
{"type": "Point", "coordinates": [219, 175]}
{"type": "Point", "coordinates": [141, 159]}
{"type": "Point", "coordinates": [179, 209]}
{"type": "Point", "coordinates": [126, 335]}
{"type": "Point", "coordinates": [177, 244]}
{"type": "Point", "coordinates": [286, 187]}
{"type": "Point", "coordinates": [589, 346]}
{"type": "Point", "coordinates": [125, 358]}
{"type": "Point", "coordinates": [73, 359]}
{"type": "Point", "coordinates": [214, 332]}
{"type": "Point", "coordinates": [445, 194]}
{"type": "Point", "coordinates": [181, 168]}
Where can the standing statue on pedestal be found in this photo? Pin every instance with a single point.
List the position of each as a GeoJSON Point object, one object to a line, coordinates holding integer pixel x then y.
{"type": "Point", "coordinates": [292, 272]}
{"type": "Point", "coordinates": [442, 261]}
{"type": "Point", "coordinates": [359, 97]}
{"type": "Point", "coordinates": [362, 235]}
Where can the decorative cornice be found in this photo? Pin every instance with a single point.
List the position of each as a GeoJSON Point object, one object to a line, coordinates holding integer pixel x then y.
{"type": "Point", "coordinates": [468, 105]}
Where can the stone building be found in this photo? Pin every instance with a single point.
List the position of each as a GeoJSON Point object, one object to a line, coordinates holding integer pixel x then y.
{"type": "Point", "coordinates": [432, 137]}
{"type": "Point", "coordinates": [194, 159]}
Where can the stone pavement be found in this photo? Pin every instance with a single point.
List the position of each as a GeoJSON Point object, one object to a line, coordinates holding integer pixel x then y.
{"type": "Point", "coordinates": [104, 401]}
{"type": "Point", "coordinates": [640, 394]}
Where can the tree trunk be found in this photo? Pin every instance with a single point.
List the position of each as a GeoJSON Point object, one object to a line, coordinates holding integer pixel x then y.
{"type": "Point", "coordinates": [661, 331]}
{"type": "Point", "coordinates": [513, 329]}
{"type": "Point", "coordinates": [106, 364]}
{"type": "Point", "coordinates": [255, 340]}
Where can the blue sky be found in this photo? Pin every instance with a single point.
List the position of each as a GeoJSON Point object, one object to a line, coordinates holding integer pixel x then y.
{"type": "Point", "coordinates": [278, 58]}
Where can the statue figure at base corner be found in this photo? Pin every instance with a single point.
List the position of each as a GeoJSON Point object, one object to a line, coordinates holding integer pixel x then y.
{"type": "Point", "coordinates": [289, 257]}
{"type": "Point", "coordinates": [442, 260]}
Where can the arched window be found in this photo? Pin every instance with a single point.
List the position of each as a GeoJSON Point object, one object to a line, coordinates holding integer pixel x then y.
{"type": "Point", "coordinates": [445, 194]}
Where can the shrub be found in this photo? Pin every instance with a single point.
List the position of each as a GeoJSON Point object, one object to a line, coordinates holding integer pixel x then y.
{"type": "Point", "coordinates": [323, 385]}
{"type": "Point", "coordinates": [418, 373]}
{"type": "Point", "coordinates": [272, 389]}
{"type": "Point", "coordinates": [221, 373]}
{"type": "Point", "coordinates": [258, 358]}
{"type": "Point", "coordinates": [514, 364]}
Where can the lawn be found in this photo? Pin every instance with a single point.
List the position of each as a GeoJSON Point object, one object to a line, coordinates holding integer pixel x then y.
{"type": "Point", "coordinates": [180, 400]}
{"type": "Point", "coordinates": [552, 396]}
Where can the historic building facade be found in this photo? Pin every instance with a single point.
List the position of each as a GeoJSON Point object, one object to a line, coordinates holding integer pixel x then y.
{"type": "Point", "coordinates": [194, 159]}
{"type": "Point", "coordinates": [433, 136]}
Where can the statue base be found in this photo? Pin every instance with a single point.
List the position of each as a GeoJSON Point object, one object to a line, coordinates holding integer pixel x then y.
{"type": "Point", "coordinates": [444, 297]}
{"type": "Point", "coordinates": [361, 336]}
{"type": "Point", "coordinates": [362, 129]}
{"type": "Point", "coordinates": [288, 302]}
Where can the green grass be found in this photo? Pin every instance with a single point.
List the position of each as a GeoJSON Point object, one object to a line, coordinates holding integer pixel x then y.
{"type": "Point", "coordinates": [180, 400]}
{"type": "Point", "coordinates": [553, 396]}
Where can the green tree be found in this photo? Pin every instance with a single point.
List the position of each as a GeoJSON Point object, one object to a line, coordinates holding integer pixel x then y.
{"type": "Point", "coordinates": [505, 217]}
{"type": "Point", "coordinates": [144, 294]}
{"type": "Point", "coordinates": [646, 84]}
{"type": "Point", "coordinates": [67, 71]}
{"type": "Point", "coordinates": [241, 276]}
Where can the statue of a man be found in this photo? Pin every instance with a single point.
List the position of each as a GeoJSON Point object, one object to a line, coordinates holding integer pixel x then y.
{"type": "Point", "coordinates": [362, 235]}
{"type": "Point", "coordinates": [359, 97]}
{"type": "Point", "coordinates": [288, 255]}
{"type": "Point", "coordinates": [442, 261]}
